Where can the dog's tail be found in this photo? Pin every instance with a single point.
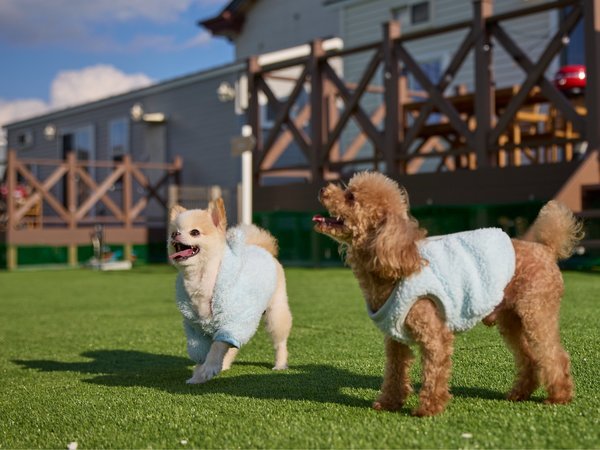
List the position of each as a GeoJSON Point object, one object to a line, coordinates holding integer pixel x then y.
{"type": "Point", "coordinates": [261, 238]}
{"type": "Point", "coordinates": [557, 228]}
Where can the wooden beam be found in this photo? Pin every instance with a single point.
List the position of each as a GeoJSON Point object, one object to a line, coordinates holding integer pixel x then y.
{"type": "Point", "coordinates": [284, 140]}
{"type": "Point", "coordinates": [282, 114]}
{"type": "Point", "coordinates": [44, 189]}
{"type": "Point", "coordinates": [352, 103]}
{"type": "Point", "coordinates": [79, 236]}
{"type": "Point", "coordinates": [447, 77]}
{"type": "Point", "coordinates": [391, 76]}
{"type": "Point", "coordinates": [99, 193]}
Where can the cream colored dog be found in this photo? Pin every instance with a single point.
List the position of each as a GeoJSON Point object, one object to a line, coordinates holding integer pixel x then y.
{"type": "Point", "coordinates": [228, 279]}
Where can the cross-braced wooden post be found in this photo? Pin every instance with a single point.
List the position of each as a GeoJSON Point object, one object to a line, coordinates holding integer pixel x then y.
{"type": "Point", "coordinates": [391, 77]}
{"type": "Point", "coordinates": [484, 107]}
{"type": "Point", "coordinates": [11, 184]}
{"type": "Point", "coordinates": [317, 123]}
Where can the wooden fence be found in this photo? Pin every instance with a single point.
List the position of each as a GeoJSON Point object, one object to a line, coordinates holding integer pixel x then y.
{"type": "Point", "coordinates": [63, 208]}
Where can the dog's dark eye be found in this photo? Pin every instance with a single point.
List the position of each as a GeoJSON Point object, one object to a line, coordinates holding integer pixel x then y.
{"type": "Point", "coordinates": [194, 233]}
{"type": "Point", "coordinates": [349, 196]}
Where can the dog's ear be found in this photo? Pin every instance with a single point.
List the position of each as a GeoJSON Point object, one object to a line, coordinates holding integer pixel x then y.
{"type": "Point", "coordinates": [395, 247]}
{"type": "Point", "coordinates": [216, 208]}
{"type": "Point", "coordinates": [175, 211]}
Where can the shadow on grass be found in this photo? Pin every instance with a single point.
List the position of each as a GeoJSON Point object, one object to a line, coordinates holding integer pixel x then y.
{"type": "Point", "coordinates": [125, 368]}
{"type": "Point", "coordinates": [310, 382]}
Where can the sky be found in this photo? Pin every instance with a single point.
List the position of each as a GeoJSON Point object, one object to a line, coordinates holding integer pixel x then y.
{"type": "Point", "coordinates": [59, 53]}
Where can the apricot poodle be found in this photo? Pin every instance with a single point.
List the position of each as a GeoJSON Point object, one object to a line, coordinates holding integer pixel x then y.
{"type": "Point", "coordinates": [449, 283]}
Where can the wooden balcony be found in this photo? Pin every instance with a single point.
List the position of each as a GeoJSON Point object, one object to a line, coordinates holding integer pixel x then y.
{"type": "Point", "coordinates": [447, 146]}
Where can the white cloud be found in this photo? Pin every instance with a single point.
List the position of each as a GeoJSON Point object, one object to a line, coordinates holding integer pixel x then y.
{"type": "Point", "coordinates": [92, 83]}
{"type": "Point", "coordinates": [71, 88]}
{"type": "Point", "coordinates": [31, 22]}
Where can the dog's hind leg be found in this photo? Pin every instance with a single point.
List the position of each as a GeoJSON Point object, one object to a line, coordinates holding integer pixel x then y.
{"type": "Point", "coordinates": [511, 329]}
{"type": "Point", "coordinates": [278, 321]}
{"type": "Point", "coordinates": [552, 361]}
{"type": "Point", "coordinates": [396, 379]}
{"type": "Point", "coordinates": [435, 340]}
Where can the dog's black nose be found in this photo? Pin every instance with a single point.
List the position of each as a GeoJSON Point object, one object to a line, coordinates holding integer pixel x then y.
{"type": "Point", "coordinates": [321, 193]}
{"type": "Point", "coordinates": [174, 234]}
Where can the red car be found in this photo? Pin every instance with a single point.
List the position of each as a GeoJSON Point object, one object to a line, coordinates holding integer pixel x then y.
{"type": "Point", "coordinates": [571, 79]}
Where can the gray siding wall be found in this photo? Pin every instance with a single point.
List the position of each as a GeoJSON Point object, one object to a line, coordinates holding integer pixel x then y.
{"type": "Point", "coordinates": [277, 24]}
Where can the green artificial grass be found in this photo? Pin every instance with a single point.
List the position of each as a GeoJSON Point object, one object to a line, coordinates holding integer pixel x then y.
{"type": "Point", "coordinates": [99, 359]}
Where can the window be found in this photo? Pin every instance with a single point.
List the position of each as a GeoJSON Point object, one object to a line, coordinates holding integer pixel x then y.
{"type": "Point", "coordinates": [419, 13]}
{"type": "Point", "coordinates": [118, 138]}
{"type": "Point", "coordinates": [25, 139]}
{"type": "Point", "coordinates": [416, 13]}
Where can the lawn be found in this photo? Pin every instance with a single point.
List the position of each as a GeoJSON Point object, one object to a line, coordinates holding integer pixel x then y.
{"type": "Point", "coordinates": [99, 359]}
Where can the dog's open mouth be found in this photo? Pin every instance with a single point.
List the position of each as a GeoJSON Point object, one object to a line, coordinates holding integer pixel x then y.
{"type": "Point", "coordinates": [328, 221]}
{"type": "Point", "coordinates": [183, 251]}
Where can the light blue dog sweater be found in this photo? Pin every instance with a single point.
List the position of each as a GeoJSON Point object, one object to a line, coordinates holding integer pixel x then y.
{"type": "Point", "coordinates": [245, 283]}
{"type": "Point", "coordinates": [466, 274]}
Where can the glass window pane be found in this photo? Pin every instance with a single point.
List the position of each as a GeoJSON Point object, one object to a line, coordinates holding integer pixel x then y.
{"type": "Point", "coordinates": [419, 13]}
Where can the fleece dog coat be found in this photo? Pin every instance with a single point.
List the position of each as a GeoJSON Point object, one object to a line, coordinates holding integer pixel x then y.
{"type": "Point", "coordinates": [466, 274]}
{"type": "Point", "coordinates": [245, 283]}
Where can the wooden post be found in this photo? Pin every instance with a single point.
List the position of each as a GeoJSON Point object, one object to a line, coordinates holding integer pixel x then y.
{"type": "Point", "coordinates": [332, 117]}
{"type": "Point", "coordinates": [591, 20]}
{"type": "Point", "coordinates": [11, 257]}
{"type": "Point", "coordinates": [318, 130]}
{"type": "Point", "coordinates": [127, 204]}
{"type": "Point", "coordinates": [11, 184]}
{"type": "Point", "coordinates": [72, 204]}
{"type": "Point", "coordinates": [484, 98]}
{"type": "Point", "coordinates": [391, 76]}
{"type": "Point", "coordinates": [253, 118]}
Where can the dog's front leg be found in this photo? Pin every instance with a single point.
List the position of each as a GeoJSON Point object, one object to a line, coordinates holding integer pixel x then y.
{"type": "Point", "coordinates": [212, 365]}
{"type": "Point", "coordinates": [396, 380]}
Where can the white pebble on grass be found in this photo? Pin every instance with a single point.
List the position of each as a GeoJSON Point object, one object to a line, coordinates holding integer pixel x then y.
{"type": "Point", "coordinates": [72, 446]}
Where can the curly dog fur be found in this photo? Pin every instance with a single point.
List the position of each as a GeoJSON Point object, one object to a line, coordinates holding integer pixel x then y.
{"type": "Point", "coordinates": [371, 219]}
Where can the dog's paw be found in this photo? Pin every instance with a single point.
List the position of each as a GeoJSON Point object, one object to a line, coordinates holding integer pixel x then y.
{"type": "Point", "coordinates": [386, 405]}
{"type": "Point", "coordinates": [203, 373]}
{"type": "Point", "coordinates": [280, 367]}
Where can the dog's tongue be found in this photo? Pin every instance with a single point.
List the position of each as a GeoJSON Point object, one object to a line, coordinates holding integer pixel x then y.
{"type": "Point", "coordinates": [318, 218]}
{"type": "Point", "coordinates": [182, 254]}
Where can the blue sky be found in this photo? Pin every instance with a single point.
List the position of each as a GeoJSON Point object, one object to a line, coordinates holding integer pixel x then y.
{"type": "Point", "coordinates": [55, 53]}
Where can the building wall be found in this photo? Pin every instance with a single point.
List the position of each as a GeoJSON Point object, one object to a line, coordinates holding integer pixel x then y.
{"type": "Point", "coordinates": [277, 24]}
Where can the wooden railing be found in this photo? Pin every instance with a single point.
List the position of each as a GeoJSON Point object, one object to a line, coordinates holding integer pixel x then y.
{"type": "Point", "coordinates": [530, 123]}
{"type": "Point", "coordinates": [62, 208]}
